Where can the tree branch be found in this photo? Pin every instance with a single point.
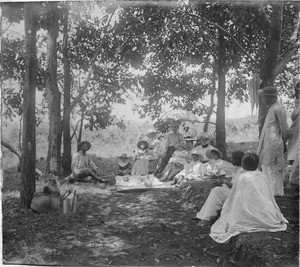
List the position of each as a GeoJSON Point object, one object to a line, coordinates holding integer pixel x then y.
{"type": "Point", "coordinates": [228, 34]}
{"type": "Point", "coordinates": [12, 149]}
{"type": "Point", "coordinates": [285, 58]}
{"type": "Point", "coordinates": [83, 89]}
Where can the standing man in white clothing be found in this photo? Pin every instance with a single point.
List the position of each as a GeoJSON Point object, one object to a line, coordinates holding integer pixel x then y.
{"type": "Point", "coordinates": [274, 135]}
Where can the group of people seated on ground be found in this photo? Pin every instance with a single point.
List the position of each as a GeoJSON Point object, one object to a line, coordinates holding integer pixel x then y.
{"type": "Point", "coordinates": [178, 159]}
{"type": "Point", "coordinates": [245, 196]}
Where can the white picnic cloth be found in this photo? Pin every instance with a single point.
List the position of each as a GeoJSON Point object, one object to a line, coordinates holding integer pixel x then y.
{"type": "Point", "coordinates": [137, 181]}
{"type": "Point", "coordinates": [250, 207]}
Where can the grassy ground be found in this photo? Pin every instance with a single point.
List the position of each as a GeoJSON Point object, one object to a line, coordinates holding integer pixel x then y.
{"type": "Point", "coordinates": [150, 228]}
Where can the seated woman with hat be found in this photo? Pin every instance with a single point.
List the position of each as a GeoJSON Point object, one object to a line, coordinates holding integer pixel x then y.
{"type": "Point", "coordinates": [203, 144]}
{"type": "Point", "coordinates": [173, 139]}
{"type": "Point", "coordinates": [124, 165]}
{"type": "Point", "coordinates": [141, 165]}
{"type": "Point", "coordinates": [176, 163]}
{"type": "Point", "coordinates": [191, 171]}
{"type": "Point", "coordinates": [189, 147]}
{"type": "Point", "coordinates": [83, 167]}
{"type": "Point", "coordinates": [216, 166]}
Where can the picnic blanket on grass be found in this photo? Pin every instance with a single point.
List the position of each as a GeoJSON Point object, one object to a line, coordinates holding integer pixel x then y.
{"type": "Point", "coordinates": [136, 183]}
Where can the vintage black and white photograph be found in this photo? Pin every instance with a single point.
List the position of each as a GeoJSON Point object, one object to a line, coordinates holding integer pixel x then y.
{"type": "Point", "coordinates": [150, 133]}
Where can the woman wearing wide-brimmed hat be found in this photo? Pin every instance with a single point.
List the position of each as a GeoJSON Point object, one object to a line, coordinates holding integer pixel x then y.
{"type": "Point", "coordinates": [191, 171]}
{"type": "Point", "coordinates": [175, 164]}
{"type": "Point", "coordinates": [203, 144]}
{"type": "Point", "coordinates": [189, 147]}
{"type": "Point", "coordinates": [141, 165]}
{"type": "Point", "coordinates": [216, 166]}
{"type": "Point", "coordinates": [173, 139]}
{"type": "Point", "coordinates": [83, 167]}
{"type": "Point", "coordinates": [124, 165]}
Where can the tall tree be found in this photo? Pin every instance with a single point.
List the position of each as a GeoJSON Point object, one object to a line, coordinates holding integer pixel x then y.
{"type": "Point", "coordinates": [66, 160]}
{"type": "Point", "coordinates": [29, 133]}
{"type": "Point", "coordinates": [53, 93]}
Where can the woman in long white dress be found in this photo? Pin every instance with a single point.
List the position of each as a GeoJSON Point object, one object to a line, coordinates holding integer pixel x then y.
{"type": "Point", "coordinates": [141, 165]}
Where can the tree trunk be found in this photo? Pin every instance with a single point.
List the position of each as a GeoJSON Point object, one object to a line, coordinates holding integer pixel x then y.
{"type": "Point", "coordinates": [29, 132]}
{"type": "Point", "coordinates": [267, 72]}
{"type": "Point", "coordinates": [212, 104]}
{"type": "Point", "coordinates": [54, 96]}
{"type": "Point", "coordinates": [67, 156]}
{"type": "Point", "coordinates": [81, 127]}
{"type": "Point", "coordinates": [221, 94]}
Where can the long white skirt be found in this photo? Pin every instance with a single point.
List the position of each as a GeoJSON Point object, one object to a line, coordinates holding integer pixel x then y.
{"type": "Point", "coordinates": [140, 167]}
{"type": "Point", "coordinates": [213, 203]}
{"type": "Point", "coordinates": [275, 178]}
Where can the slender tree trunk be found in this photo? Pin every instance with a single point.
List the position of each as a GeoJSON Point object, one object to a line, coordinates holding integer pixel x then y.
{"type": "Point", "coordinates": [268, 69]}
{"type": "Point", "coordinates": [54, 96]}
{"type": "Point", "coordinates": [212, 103]}
{"type": "Point", "coordinates": [67, 158]}
{"type": "Point", "coordinates": [81, 127]}
{"type": "Point", "coordinates": [29, 132]}
{"type": "Point", "coordinates": [221, 94]}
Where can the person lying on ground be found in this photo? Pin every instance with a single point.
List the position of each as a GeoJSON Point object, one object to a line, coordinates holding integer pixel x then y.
{"type": "Point", "coordinates": [191, 171]}
{"type": "Point", "coordinates": [216, 166]}
{"type": "Point", "coordinates": [141, 165]}
{"type": "Point", "coordinates": [176, 163]}
{"type": "Point", "coordinates": [83, 167]}
{"type": "Point", "coordinates": [203, 144]}
{"type": "Point", "coordinates": [173, 139]}
{"type": "Point", "coordinates": [219, 193]}
{"type": "Point", "coordinates": [124, 165]}
{"type": "Point", "coordinates": [250, 206]}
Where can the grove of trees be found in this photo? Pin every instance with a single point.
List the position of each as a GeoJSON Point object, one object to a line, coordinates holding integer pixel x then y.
{"type": "Point", "coordinates": [86, 56]}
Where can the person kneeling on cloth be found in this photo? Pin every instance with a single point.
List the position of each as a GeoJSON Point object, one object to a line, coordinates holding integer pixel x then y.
{"type": "Point", "coordinates": [83, 167]}
{"type": "Point", "coordinates": [173, 140]}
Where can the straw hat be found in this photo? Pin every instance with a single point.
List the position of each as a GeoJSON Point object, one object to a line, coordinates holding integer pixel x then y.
{"type": "Point", "coordinates": [195, 152]}
{"type": "Point", "coordinates": [143, 142]}
{"type": "Point", "coordinates": [204, 135]}
{"type": "Point", "coordinates": [80, 144]}
{"type": "Point", "coordinates": [189, 138]}
{"type": "Point", "coordinates": [181, 144]}
{"type": "Point", "coordinates": [209, 153]}
{"type": "Point", "coordinates": [123, 156]}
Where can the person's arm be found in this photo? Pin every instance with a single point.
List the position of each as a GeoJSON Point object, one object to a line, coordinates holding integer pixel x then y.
{"type": "Point", "coordinates": [93, 166]}
{"type": "Point", "coordinates": [75, 163]}
{"type": "Point", "coordinates": [280, 114]}
{"type": "Point", "coordinates": [167, 144]}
